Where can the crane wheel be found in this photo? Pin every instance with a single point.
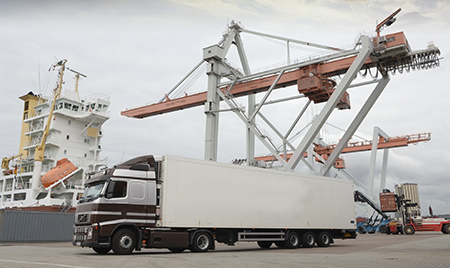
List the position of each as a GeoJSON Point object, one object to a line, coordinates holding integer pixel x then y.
{"type": "Point", "coordinates": [446, 229]}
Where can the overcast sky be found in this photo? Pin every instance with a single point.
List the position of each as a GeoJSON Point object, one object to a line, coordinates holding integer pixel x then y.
{"type": "Point", "coordinates": [135, 51]}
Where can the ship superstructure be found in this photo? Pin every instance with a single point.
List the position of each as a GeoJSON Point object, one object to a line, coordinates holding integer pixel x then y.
{"type": "Point", "coordinates": [61, 136]}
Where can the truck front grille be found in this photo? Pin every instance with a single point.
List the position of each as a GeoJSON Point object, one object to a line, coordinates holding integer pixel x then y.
{"type": "Point", "coordinates": [82, 218]}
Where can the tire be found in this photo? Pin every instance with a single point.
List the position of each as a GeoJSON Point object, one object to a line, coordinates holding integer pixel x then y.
{"type": "Point", "coordinates": [383, 229]}
{"type": "Point", "coordinates": [446, 229]}
{"type": "Point", "coordinates": [280, 244]}
{"type": "Point", "coordinates": [292, 240]}
{"type": "Point", "coordinates": [101, 250]}
{"type": "Point", "coordinates": [308, 239]}
{"type": "Point", "coordinates": [264, 244]}
{"type": "Point", "coordinates": [123, 242]}
{"type": "Point", "coordinates": [176, 250]}
{"type": "Point", "coordinates": [201, 243]}
{"type": "Point", "coordinates": [323, 239]}
{"type": "Point", "coordinates": [408, 230]}
{"type": "Point", "coordinates": [361, 230]}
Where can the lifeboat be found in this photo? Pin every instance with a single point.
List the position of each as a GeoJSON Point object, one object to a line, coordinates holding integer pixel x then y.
{"type": "Point", "coordinates": [63, 168]}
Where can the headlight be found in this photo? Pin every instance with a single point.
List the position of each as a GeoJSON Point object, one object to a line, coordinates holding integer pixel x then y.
{"type": "Point", "coordinates": [89, 233]}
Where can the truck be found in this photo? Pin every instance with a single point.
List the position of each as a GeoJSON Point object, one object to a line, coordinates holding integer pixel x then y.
{"type": "Point", "coordinates": [408, 218]}
{"type": "Point", "coordinates": [181, 203]}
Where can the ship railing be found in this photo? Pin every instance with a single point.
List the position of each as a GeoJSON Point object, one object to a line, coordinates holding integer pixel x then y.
{"type": "Point", "coordinates": [96, 96]}
{"type": "Point", "coordinates": [8, 187]}
{"type": "Point", "coordinates": [52, 138]}
{"type": "Point", "coordinates": [35, 127]}
{"type": "Point", "coordinates": [74, 186]}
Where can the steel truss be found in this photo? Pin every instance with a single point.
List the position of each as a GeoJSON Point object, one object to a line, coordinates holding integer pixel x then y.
{"type": "Point", "coordinates": [215, 94]}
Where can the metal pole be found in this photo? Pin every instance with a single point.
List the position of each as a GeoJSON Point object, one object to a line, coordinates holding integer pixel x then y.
{"type": "Point", "coordinates": [331, 104]}
{"type": "Point", "coordinates": [355, 124]}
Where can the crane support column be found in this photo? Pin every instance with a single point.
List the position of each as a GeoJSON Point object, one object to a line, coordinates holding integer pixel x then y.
{"type": "Point", "coordinates": [331, 103]}
{"type": "Point", "coordinates": [377, 132]}
{"type": "Point", "coordinates": [211, 110]}
{"type": "Point", "coordinates": [355, 124]}
{"type": "Point", "coordinates": [250, 136]}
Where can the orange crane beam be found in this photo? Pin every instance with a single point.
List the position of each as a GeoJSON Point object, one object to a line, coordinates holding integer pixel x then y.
{"type": "Point", "coordinates": [320, 91]}
{"type": "Point", "coordinates": [361, 146]}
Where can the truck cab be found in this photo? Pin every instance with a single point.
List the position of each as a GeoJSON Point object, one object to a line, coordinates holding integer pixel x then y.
{"type": "Point", "coordinates": [123, 197]}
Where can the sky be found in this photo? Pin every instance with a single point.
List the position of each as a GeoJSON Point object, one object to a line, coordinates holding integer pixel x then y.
{"type": "Point", "coordinates": [136, 51]}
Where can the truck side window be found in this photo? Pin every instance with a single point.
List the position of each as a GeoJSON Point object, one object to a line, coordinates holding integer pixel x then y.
{"type": "Point", "coordinates": [117, 189]}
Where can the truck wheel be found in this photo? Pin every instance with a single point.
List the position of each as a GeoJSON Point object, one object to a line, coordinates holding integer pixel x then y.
{"type": "Point", "coordinates": [308, 239]}
{"type": "Point", "coordinates": [323, 239]}
{"type": "Point", "coordinates": [101, 250]}
{"type": "Point", "coordinates": [446, 229]}
{"type": "Point", "coordinates": [292, 240]}
{"type": "Point", "coordinates": [383, 229]}
{"type": "Point", "coordinates": [408, 230]}
{"type": "Point", "coordinates": [264, 244]}
{"type": "Point", "coordinates": [201, 242]}
{"type": "Point", "coordinates": [123, 242]}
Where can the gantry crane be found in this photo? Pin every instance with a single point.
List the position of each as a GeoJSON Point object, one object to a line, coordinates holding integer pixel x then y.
{"type": "Point", "coordinates": [315, 80]}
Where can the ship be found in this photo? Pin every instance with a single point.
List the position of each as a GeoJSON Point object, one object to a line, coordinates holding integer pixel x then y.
{"type": "Point", "coordinates": [60, 147]}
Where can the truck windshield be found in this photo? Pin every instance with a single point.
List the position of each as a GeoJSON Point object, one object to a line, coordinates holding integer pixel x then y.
{"type": "Point", "coordinates": [92, 191]}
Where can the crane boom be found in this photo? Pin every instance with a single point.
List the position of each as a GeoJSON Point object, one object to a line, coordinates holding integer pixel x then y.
{"type": "Point", "coordinates": [336, 64]}
{"type": "Point", "coordinates": [40, 149]}
{"type": "Point", "coordinates": [39, 153]}
{"type": "Point", "coordinates": [361, 146]}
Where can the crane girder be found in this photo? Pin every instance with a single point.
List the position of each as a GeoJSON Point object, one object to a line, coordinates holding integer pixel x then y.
{"type": "Point", "coordinates": [360, 146]}
{"type": "Point", "coordinates": [390, 51]}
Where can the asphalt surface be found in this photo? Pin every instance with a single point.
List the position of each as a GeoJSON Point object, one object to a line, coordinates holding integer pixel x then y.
{"type": "Point", "coordinates": [368, 250]}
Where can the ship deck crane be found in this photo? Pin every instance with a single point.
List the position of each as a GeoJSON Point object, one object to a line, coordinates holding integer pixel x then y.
{"type": "Point", "coordinates": [40, 148]}
{"type": "Point", "coordinates": [314, 78]}
{"type": "Point", "coordinates": [5, 163]}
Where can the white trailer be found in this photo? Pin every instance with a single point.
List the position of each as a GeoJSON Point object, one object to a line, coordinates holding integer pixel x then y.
{"type": "Point", "coordinates": [179, 203]}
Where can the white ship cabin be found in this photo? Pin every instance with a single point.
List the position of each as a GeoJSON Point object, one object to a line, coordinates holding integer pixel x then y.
{"type": "Point", "coordinates": [75, 133]}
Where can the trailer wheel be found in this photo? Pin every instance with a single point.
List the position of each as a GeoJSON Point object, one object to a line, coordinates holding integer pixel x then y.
{"type": "Point", "coordinates": [101, 250]}
{"type": "Point", "coordinates": [292, 240]}
{"type": "Point", "coordinates": [123, 242]}
{"type": "Point", "coordinates": [323, 239]}
{"type": "Point", "coordinates": [280, 244]}
{"type": "Point", "coordinates": [446, 229]}
{"type": "Point", "coordinates": [408, 230]}
{"type": "Point", "coordinates": [264, 244]}
{"type": "Point", "coordinates": [308, 239]}
{"type": "Point", "coordinates": [201, 243]}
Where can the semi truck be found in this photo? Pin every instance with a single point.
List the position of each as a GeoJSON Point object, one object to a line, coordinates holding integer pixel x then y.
{"type": "Point", "coordinates": [180, 203]}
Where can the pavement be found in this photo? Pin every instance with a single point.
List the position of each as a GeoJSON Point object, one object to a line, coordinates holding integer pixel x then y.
{"type": "Point", "coordinates": [428, 249]}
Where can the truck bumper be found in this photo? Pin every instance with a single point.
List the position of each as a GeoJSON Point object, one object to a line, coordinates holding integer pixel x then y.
{"type": "Point", "coordinates": [87, 236]}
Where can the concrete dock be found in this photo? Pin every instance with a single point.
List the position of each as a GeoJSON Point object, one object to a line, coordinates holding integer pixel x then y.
{"type": "Point", "coordinates": [368, 250]}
